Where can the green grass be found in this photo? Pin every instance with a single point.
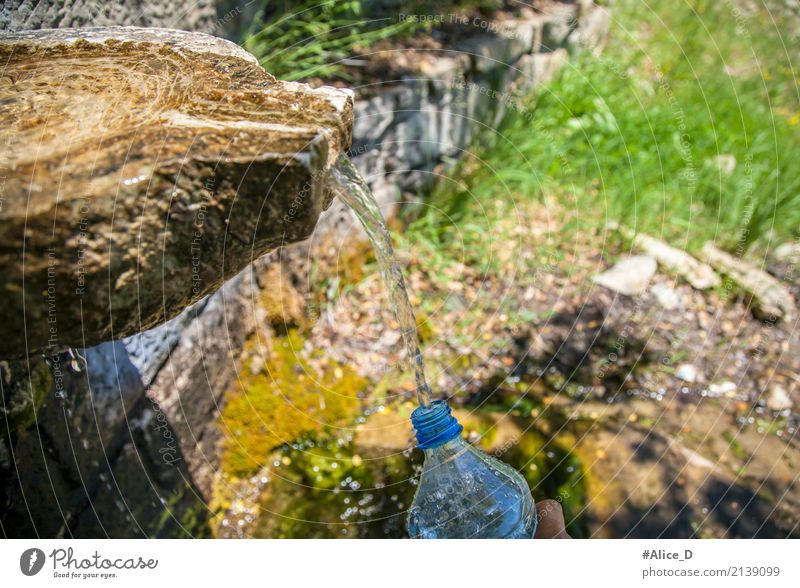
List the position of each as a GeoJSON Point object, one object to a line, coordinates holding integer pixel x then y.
{"type": "Point", "coordinates": [310, 38]}
{"type": "Point", "coordinates": [633, 135]}
{"type": "Point", "coordinates": [315, 38]}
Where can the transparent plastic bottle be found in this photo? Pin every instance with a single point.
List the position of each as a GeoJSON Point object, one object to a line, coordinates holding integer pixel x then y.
{"type": "Point", "coordinates": [464, 493]}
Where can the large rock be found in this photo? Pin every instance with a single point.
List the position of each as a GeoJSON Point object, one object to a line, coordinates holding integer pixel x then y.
{"type": "Point", "coordinates": [143, 167]}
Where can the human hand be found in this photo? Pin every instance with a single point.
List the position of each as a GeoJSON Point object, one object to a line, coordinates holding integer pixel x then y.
{"type": "Point", "coordinates": [551, 520]}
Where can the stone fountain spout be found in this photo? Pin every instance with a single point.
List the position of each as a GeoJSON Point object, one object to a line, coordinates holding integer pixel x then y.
{"type": "Point", "coordinates": [140, 169]}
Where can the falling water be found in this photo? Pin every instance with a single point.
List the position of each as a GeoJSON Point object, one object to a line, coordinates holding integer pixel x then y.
{"type": "Point", "coordinates": [354, 192]}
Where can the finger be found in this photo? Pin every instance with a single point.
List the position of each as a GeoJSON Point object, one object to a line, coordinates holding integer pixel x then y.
{"type": "Point", "coordinates": [551, 520]}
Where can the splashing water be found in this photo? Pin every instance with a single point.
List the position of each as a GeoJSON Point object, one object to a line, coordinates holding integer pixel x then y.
{"type": "Point", "coordinates": [354, 192]}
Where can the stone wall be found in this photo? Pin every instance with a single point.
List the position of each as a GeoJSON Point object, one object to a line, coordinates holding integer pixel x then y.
{"type": "Point", "coordinates": [131, 450]}
{"type": "Point", "coordinates": [407, 130]}
{"type": "Point", "coordinates": [189, 15]}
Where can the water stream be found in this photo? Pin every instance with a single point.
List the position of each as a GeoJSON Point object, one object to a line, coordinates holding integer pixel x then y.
{"type": "Point", "coordinates": [354, 192]}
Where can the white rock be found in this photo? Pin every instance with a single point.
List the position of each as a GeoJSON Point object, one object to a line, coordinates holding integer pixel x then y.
{"type": "Point", "coordinates": [666, 296]}
{"type": "Point", "coordinates": [779, 398]}
{"type": "Point", "coordinates": [686, 372]}
{"type": "Point", "coordinates": [700, 275]}
{"type": "Point", "coordinates": [771, 299]}
{"type": "Point", "coordinates": [630, 276]}
{"type": "Point", "coordinates": [787, 252]}
{"type": "Point", "coordinates": [722, 388]}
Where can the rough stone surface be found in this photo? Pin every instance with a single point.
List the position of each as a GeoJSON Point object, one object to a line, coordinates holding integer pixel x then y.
{"type": "Point", "coordinates": [191, 15]}
{"type": "Point", "coordinates": [592, 30]}
{"type": "Point", "coordinates": [201, 367]}
{"type": "Point", "coordinates": [132, 193]}
{"type": "Point", "coordinates": [541, 68]}
{"type": "Point", "coordinates": [561, 21]}
{"type": "Point", "coordinates": [92, 424]}
{"type": "Point", "coordinates": [23, 385]}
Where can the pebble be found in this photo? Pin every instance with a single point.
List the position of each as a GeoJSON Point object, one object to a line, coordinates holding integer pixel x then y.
{"type": "Point", "coordinates": [778, 398]}
{"type": "Point", "coordinates": [686, 372]}
{"type": "Point", "coordinates": [667, 297]}
{"type": "Point", "coordinates": [722, 388]}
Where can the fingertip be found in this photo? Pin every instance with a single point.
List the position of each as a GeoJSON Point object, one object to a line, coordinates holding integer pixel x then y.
{"type": "Point", "coordinates": [551, 520]}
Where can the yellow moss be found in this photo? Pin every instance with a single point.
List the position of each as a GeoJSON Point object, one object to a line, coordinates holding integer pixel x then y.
{"type": "Point", "coordinates": [424, 327]}
{"type": "Point", "coordinates": [603, 495]}
{"type": "Point", "coordinates": [344, 262]}
{"type": "Point", "coordinates": [282, 303]}
{"type": "Point", "coordinates": [285, 401]}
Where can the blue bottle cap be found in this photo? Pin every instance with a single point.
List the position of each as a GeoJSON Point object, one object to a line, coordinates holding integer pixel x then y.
{"type": "Point", "coordinates": [434, 424]}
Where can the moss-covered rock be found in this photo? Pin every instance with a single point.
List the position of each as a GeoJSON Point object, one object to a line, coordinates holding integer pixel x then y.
{"type": "Point", "coordinates": [284, 400]}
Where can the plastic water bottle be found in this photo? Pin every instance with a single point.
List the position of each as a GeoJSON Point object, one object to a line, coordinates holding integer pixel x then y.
{"type": "Point", "coordinates": [464, 493]}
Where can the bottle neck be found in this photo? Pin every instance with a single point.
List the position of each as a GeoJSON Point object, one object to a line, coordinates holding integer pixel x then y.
{"type": "Point", "coordinates": [435, 425]}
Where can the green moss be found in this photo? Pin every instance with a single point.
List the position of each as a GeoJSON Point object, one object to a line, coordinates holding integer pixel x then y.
{"type": "Point", "coordinates": [179, 520]}
{"type": "Point", "coordinates": [736, 448]}
{"type": "Point", "coordinates": [23, 392]}
{"type": "Point", "coordinates": [285, 401]}
{"type": "Point", "coordinates": [425, 330]}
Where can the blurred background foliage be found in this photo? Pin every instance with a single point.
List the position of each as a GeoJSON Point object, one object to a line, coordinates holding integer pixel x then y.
{"type": "Point", "coordinates": [685, 127]}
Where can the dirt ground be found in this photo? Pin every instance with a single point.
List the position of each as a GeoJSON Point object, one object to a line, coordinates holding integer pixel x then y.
{"type": "Point", "coordinates": [679, 404]}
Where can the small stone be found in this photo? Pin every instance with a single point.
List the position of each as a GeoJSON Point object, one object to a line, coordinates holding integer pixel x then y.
{"type": "Point", "coordinates": [779, 398]}
{"type": "Point", "coordinates": [722, 388]}
{"type": "Point", "coordinates": [630, 276]}
{"type": "Point", "coordinates": [686, 372]}
{"type": "Point", "coordinates": [699, 275]}
{"type": "Point", "coordinates": [666, 296]}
